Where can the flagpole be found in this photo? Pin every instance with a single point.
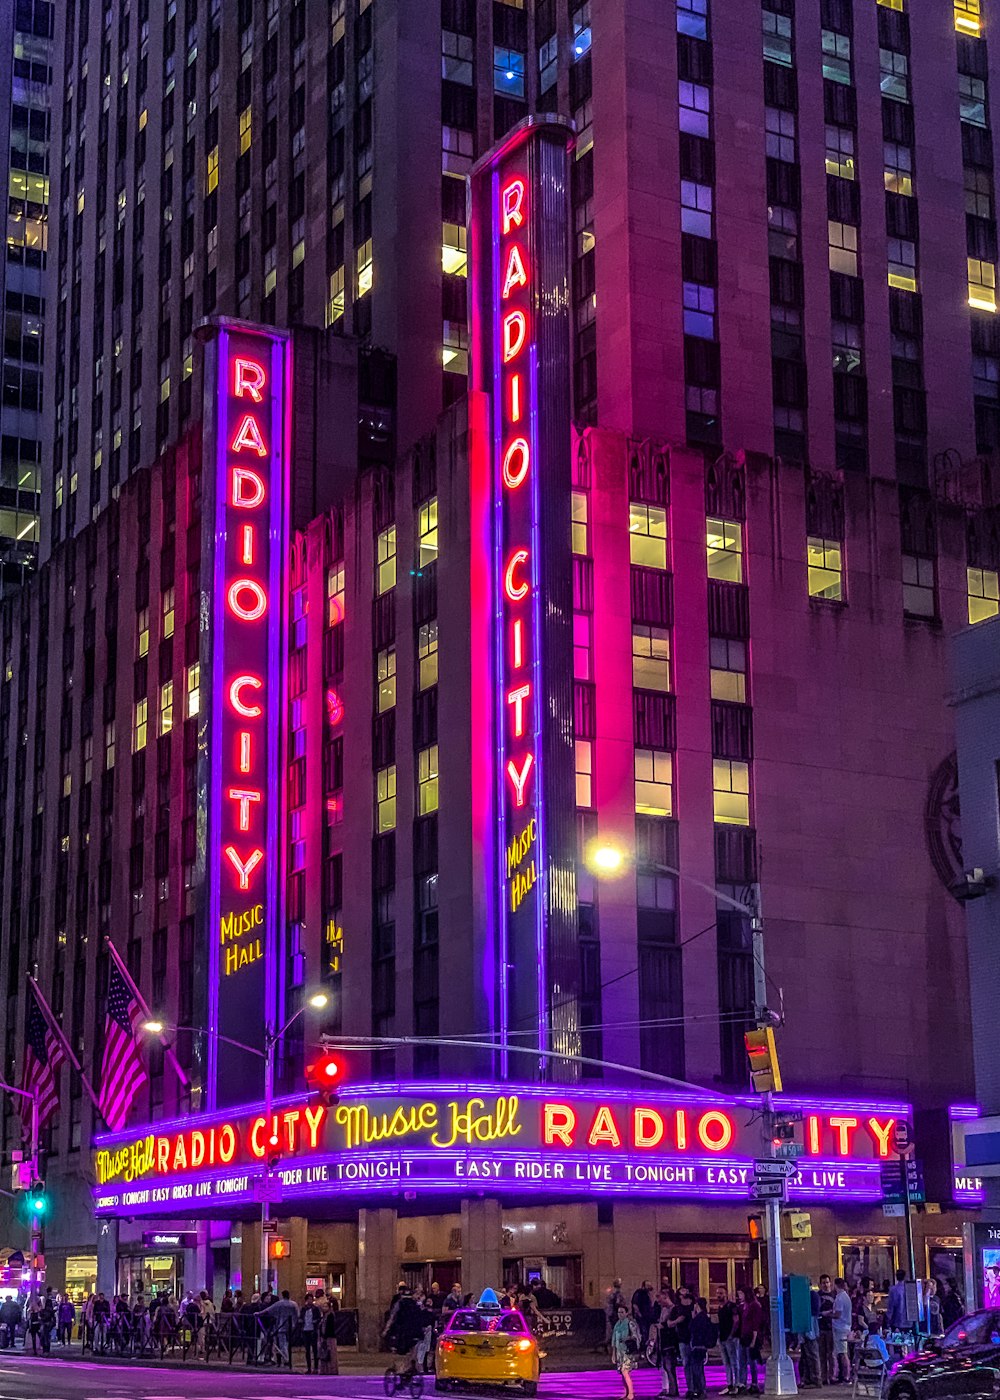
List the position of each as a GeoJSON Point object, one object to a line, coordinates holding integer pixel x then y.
{"type": "Point", "coordinates": [57, 1031]}
{"type": "Point", "coordinates": [119, 963]}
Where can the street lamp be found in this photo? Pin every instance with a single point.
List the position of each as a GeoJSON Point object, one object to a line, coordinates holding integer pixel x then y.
{"type": "Point", "coordinates": [316, 1002]}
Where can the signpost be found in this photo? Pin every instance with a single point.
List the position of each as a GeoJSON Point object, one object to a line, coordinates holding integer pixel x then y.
{"type": "Point", "coordinates": [774, 1167]}
{"type": "Point", "coordinates": [772, 1189]}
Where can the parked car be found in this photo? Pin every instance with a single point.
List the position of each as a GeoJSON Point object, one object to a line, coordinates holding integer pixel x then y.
{"type": "Point", "coordinates": [965, 1361]}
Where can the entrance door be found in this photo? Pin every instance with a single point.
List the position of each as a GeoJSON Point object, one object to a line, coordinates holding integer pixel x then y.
{"type": "Point", "coordinates": [705, 1266]}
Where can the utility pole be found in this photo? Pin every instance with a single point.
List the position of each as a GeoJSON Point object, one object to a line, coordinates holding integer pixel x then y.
{"type": "Point", "coordinates": [34, 1174]}
{"type": "Point", "coordinates": [269, 1043]}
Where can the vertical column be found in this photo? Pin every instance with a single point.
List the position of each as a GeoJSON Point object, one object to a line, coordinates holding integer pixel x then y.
{"type": "Point", "coordinates": [107, 1258]}
{"type": "Point", "coordinates": [377, 1272]}
{"type": "Point", "coordinates": [636, 1246]}
{"type": "Point", "coordinates": [481, 1261]}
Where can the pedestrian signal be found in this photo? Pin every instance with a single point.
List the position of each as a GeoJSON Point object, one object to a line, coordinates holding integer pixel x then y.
{"type": "Point", "coordinates": [755, 1228]}
{"type": "Point", "coordinates": [278, 1247]}
{"type": "Point", "coordinates": [764, 1072]}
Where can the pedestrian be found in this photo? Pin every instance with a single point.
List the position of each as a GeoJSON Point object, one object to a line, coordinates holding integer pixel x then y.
{"type": "Point", "coordinates": [826, 1362]}
{"type": "Point", "coordinates": [642, 1310]}
{"type": "Point", "coordinates": [65, 1318]}
{"type": "Point", "coordinates": [453, 1300]}
{"type": "Point", "coordinates": [751, 1329]}
{"type": "Point", "coordinates": [613, 1300]}
{"type": "Point", "coordinates": [729, 1339]}
{"type": "Point", "coordinates": [952, 1306]}
{"type": "Point", "coordinates": [404, 1329]}
{"type": "Point", "coordinates": [932, 1309]}
{"type": "Point", "coordinates": [896, 1303]}
{"type": "Point", "coordinates": [704, 1335]}
{"type": "Point", "coordinates": [48, 1323]}
{"type": "Point", "coordinates": [312, 1317]}
{"type": "Point", "coordinates": [842, 1319]}
{"type": "Point", "coordinates": [328, 1363]}
{"type": "Point", "coordinates": [809, 1347]}
{"type": "Point", "coordinates": [33, 1321]}
{"type": "Point", "coordinates": [10, 1320]}
{"type": "Point", "coordinates": [282, 1315]}
{"type": "Point", "coordinates": [662, 1349]}
{"type": "Point", "coordinates": [625, 1348]}
{"type": "Point", "coordinates": [206, 1322]}
{"type": "Point", "coordinates": [140, 1321]}
{"type": "Point", "coordinates": [679, 1328]}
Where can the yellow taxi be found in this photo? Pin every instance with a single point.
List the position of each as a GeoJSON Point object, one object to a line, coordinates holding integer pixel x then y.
{"type": "Point", "coordinates": [487, 1345]}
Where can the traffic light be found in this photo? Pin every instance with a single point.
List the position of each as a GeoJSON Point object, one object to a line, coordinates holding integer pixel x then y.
{"type": "Point", "coordinates": [279, 1247]}
{"type": "Point", "coordinates": [324, 1076]}
{"type": "Point", "coordinates": [38, 1202]}
{"type": "Point", "coordinates": [764, 1072]}
{"type": "Point", "coordinates": [755, 1228]}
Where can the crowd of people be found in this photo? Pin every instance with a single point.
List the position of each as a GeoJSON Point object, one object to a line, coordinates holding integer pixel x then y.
{"type": "Point", "coordinates": [674, 1330]}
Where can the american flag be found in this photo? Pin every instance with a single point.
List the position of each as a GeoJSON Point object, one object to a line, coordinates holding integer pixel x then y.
{"type": "Point", "coordinates": [122, 1074]}
{"type": "Point", "coordinates": [43, 1058]}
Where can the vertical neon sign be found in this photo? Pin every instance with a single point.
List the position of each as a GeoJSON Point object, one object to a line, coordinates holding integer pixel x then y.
{"type": "Point", "coordinates": [245, 528]}
{"type": "Point", "coordinates": [519, 242]}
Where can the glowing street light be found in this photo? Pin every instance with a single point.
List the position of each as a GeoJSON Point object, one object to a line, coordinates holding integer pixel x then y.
{"type": "Point", "coordinates": [605, 859]}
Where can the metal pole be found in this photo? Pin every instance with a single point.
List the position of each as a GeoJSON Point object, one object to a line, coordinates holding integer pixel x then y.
{"type": "Point", "coordinates": [36, 1224]}
{"type": "Point", "coordinates": [269, 1042]}
{"type": "Point", "coordinates": [904, 1163]}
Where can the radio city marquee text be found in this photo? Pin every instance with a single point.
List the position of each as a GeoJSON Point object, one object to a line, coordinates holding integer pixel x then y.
{"type": "Point", "coordinates": [434, 1141]}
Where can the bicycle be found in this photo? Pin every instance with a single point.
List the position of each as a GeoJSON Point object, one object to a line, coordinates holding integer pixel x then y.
{"type": "Point", "coordinates": [394, 1381]}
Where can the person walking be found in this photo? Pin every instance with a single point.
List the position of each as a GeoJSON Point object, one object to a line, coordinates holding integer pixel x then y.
{"type": "Point", "coordinates": [896, 1303]}
{"type": "Point", "coordinates": [704, 1335]}
{"type": "Point", "coordinates": [826, 1362]}
{"type": "Point", "coordinates": [282, 1315]}
{"type": "Point", "coordinates": [842, 1319]}
{"type": "Point", "coordinates": [729, 1339]}
{"type": "Point", "coordinates": [33, 1325]}
{"type": "Point", "coordinates": [625, 1348]}
{"type": "Point", "coordinates": [10, 1320]}
{"type": "Point", "coordinates": [328, 1363]}
{"type": "Point", "coordinates": [751, 1328]}
{"type": "Point", "coordinates": [65, 1318]}
{"type": "Point", "coordinates": [642, 1310]}
{"type": "Point", "coordinates": [932, 1309]}
{"type": "Point", "coordinates": [48, 1323]}
{"type": "Point", "coordinates": [614, 1299]}
{"type": "Point", "coordinates": [311, 1317]}
{"type": "Point", "coordinates": [809, 1347]}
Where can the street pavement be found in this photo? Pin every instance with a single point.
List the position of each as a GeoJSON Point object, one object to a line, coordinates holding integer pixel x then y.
{"type": "Point", "coordinates": [30, 1378]}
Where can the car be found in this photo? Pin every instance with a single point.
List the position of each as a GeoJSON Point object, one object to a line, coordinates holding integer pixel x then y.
{"type": "Point", "coordinates": [487, 1345]}
{"type": "Point", "coordinates": [965, 1361]}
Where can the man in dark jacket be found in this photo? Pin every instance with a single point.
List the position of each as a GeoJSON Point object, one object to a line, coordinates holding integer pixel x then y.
{"type": "Point", "coordinates": [827, 1366]}
{"type": "Point", "coordinates": [704, 1335]}
{"type": "Point", "coordinates": [10, 1320]}
{"type": "Point", "coordinates": [642, 1311]}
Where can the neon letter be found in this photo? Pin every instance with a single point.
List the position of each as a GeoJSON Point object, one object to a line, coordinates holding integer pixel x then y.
{"type": "Point", "coordinates": [515, 276]}
{"type": "Point", "coordinates": [248, 436]}
{"type": "Point", "coordinates": [248, 585]}
{"type": "Point", "coordinates": [604, 1128]}
{"type": "Point", "coordinates": [517, 698]}
{"type": "Point", "coordinates": [244, 751]}
{"type": "Point", "coordinates": [515, 328]}
{"type": "Point", "coordinates": [880, 1132]}
{"type": "Point", "coordinates": [227, 1142]}
{"type": "Point", "coordinates": [511, 199]}
{"type": "Point", "coordinates": [515, 398]}
{"type": "Point", "coordinates": [256, 1146]}
{"type": "Point", "coordinates": [515, 591]}
{"type": "Point", "coordinates": [515, 463]}
{"type": "Point", "coordinates": [245, 869]}
{"type": "Point", "coordinates": [843, 1127]}
{"type": "Point", "coordinates": [812, 1125]}
{"type": "Point", "coordinates": [244, 796]}
{"type": "Point", "coordinates": [236, 696]}
{"type": "Point", "coordinates": [648, 1127]}
{"type": "Point", "coordinates": [715, 1130]}
{"type": "Point", "coordinates": [247, 488]}
{"type": "Point", "coordinates": [518, 643]}
{"type": "Point", "coordinates": [248, 536]}
{"type": "Point", "coordinates": [558, 1122]}
{"type": "Point", "coordinates": [681, 1121]}
{"type": "Point", "coordinates": [519, 780]}
{"type": "Point", "coordinates": [314, 1119]}
{"type": "Point", "coordinates": [248, 375]}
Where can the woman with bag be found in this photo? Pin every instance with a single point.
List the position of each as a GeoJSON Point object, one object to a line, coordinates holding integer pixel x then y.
{"type": "Point", "coordinates": [328, 1341]}
{"type": "Point", "coordinates": [625, 1348]}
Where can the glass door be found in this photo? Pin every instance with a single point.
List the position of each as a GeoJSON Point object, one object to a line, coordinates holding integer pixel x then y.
{"type": "Point", "coordinates": [707, 1267]}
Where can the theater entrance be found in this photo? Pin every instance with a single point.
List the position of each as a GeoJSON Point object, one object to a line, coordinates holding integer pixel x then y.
{"type": "Point", "coordinates": [705, 1266]}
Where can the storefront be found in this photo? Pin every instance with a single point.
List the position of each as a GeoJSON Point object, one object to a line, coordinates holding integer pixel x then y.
{"type": "Point", "coordinates": [81, 1276]}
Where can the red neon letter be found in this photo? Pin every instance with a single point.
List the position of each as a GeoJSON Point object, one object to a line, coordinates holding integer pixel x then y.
{"type": "Point", "coordinates": [244, 796]}
{"type": "Point", "coordinates": [880, 1132]}
{"type": "Point", "coordinates": [514, 404]}
{"type": "Point", "coordinates": [515, 591]}
{"type": "Point", "coordinates": [648, 1127]}
{"type": "Point", "coordinates": [515, 328]}
{"type": "Point", "coordinates": [241, 707]}
{"type": "Point", "coordinates": [244, 759]}
{"type": "Point", "coordinates": [518, 644]}
{"type": "Point", "coordinates": [247, 585]}
{"type": "Point", "coordinates": [511, 199]}
{"type": "Point", "coordinates": [515, 276]}
{"type": "Point", "coordinates": [245, 869]}
{"type": "Point", "coordinates": [227, 1142]}
{"type": "Point", "coordinates": [715, 1130]}
{"type": "Point", "coordinates": [249, 377]}
{"type": "Point", "coordinates": [558, 1122]}
{"type": "Point", "coordinates": [519, 780]}
{"type": "Point", "coordinates": [248, 537]}
{"type": "Point", "coordinates": [681, 1129]}
{"type": "Point", "coordinates": [247, 488]}
{"type": "Point", "coordinates": [604, 1128]}
{"type": "Point", "coordinates": [517, 698]}
{"type": "Point", "coordinates": [844, 1127]}
{"type": "Point", "coordinates": [248, 437]}
{"type": "Point", "coordinates": [812, 1126]}
{"type": "Point", "coordinates": [516, 461]}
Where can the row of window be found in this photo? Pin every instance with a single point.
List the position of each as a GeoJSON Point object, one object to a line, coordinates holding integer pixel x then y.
{"type": "Point", "coordinates": [427, 789]}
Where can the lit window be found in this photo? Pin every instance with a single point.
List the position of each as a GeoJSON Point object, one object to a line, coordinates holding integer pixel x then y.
{"type": "Point", "coordinates": [650, 657]}
{"type": "Point", "coordinates": [986, 376]}
{"type": "Point", "coordinates": [109, 744]}
{"type": "Point", "coordinates": [334, 594]}
{"type": "Point", "coordinates": [969, 17]}
{"type": "Point", "coordinates": [902, 254]}
{"type": "Point", "coordinates": [212, 175]}
{"type": "Point", "coordinates": [779, 129]}
{"type": "Point", "coordinates": [580, 526]}
{"type": "Point", "coordinates": [454, 250]}
{"type": "Point", "coordinates": [891, 4]}
{"type": "Point", "coordinates": [731, 791]}
{"type": "Point", "coordinates": [336, 301]}
{"type": "Point", "coordinates": [456, 57]}
{"type": "Point", "coordinates": [427, 532]}
{"type": "Point", "coordinates": [728, 674]}
{"type": "Point", "coordinates": [843, 239]}
{"type": "Point", "coordinates": [725, 549]}
{"type": "Point", "coordinates": [979, 192]}
{"type": "Point", "coordinates": [647, 535]}
{"type": "Point", "coordinates": [692, 18]}
{"type": "Point", "coordinates": [427, 780]}
{"type": "Point", "coordinates": [898, 162]}
{"type": "Point", "coordinates": [984, 594]}
{"type": "Point", "coordinates": [847, 348]}
{"type": "Point", "coordinates": [836, 56]}
{"type": "Point", "coordinates": [427, 655]}
{"type": "Point", "coordinates": [455, 347]}
{"type": "Point", "coordinates": [982, 284]}
{"type": "Point", "coordinates": [193, 688]}
{"type": "Point", "coordinates": [581, 646]}
{"type": "Point", "coordinates": [363, 262]}
{"type": "Point", "coordinates": [895, 74]}
{"type": "Point", "coordinates": [582, 37]}
{"type": "Point", "coordinates": [826, 569]}
{"type": "Point", "coordinates": [777, 38]}
{"type": "Point", "coordinates": [88, 758]}
{"type": "Point", "coordinates": [694, 101]}
{"type": "Point", "coordinates": [584, 773]}
{"type": "Point", "coordinates": [385, 680]}
{"type": "Point", "coordinates": [508, 72]}
{"type": "Point", "coordinates": [919, 591]}
{"type": "Point", "coordinates": [168, 612]}
{"type": "Point", "coordinates": [840, 152]}
{"type": "Point", "coordinates": [654, 776]}
{"type": "Point", "coordinates": [699, 310]}
{"type": "Point", "coordinates": [385, 561]}
{"type": "Point", "coordinates": [696, 208]}
{"type": "Point", "coordinates": [139, 720]}
{"type": "Point", "coordinates": [385, 799]}
{"type": "Point", "coordinates": [972, 100]}
{"type": "Point", "coordinates": [246, 130]}
{"type": "Point", "coordinates": [166, 707]}
{"type": "Point", "coordinates": [142, 631]}
{"type": "Point", "coordinates": [782, 232]}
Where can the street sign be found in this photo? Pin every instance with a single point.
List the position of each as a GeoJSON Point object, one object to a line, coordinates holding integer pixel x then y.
{"type": "Point", "coordinates": [893, 1212]}
{"type": "Point", "coordinates": [270, 1227]}
{"type": "Point", "coordinates": [774, 1167]}
{"type": "Point", "coordinates": [892, 1181]}
{"type": "Point", "coordinates": [772, 1190]}
{"type": "Point", "coordinates": [788, 1150]}
{"type": "Point", "coordinates": [902, 1137]}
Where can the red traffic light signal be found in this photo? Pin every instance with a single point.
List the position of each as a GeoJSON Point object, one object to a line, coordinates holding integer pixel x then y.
{"type": "Point", "coordinates": [279, 1247]}
{"type": "Point", "coordinates": [325, 1075]}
